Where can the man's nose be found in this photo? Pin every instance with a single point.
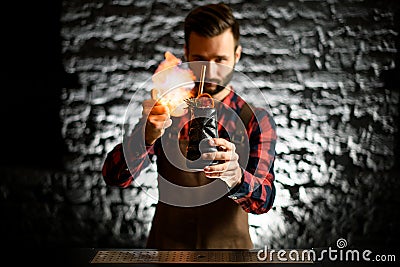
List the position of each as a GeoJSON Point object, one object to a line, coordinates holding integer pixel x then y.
{"type": "Point", "coordinates": [211, 70]}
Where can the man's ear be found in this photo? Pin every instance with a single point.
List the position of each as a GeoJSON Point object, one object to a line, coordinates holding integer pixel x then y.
{"type": "Point", "coordinates": [238, 53]}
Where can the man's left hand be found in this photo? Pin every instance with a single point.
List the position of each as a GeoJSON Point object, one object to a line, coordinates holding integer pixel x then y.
{"type": "Point", "coordinates": [229, 170]}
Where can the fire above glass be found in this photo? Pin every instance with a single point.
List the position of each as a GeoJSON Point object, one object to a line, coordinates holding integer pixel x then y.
{"type": "Point", "coordinates": [173, 84]}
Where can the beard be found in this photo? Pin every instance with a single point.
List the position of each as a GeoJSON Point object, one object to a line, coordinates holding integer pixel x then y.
{"type": "Point", "coordinates": [214, 86]}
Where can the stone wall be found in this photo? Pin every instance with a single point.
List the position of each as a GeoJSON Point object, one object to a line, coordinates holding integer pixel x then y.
{"type": "Point", "coordinates": [329, 69]}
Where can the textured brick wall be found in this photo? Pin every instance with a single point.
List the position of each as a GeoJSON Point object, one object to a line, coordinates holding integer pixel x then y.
{"type": "Point", "coordinates": [329, 70]}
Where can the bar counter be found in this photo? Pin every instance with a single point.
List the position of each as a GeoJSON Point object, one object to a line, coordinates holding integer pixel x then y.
{"type": "Point", "coordinates": [111, 257]}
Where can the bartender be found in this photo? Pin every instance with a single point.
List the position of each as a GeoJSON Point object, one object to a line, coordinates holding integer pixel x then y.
{"type": "Point", "coordinates": [185, 221]}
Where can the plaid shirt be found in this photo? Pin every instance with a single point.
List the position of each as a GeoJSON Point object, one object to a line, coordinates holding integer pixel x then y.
{"type": "Point", "coordinates": [256, 192]}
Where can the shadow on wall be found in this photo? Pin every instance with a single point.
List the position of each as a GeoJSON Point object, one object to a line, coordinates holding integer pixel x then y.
{"type": "Point", "coordinates": [32, 144]}
{"type": "Point", "coordinates": [30, 105]}
{"type": "Point", "coordinates": [391, 81]}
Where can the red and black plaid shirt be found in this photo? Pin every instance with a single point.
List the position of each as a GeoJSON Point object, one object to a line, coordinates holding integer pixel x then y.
{"type": "Point", "coordinates": [256, 192]}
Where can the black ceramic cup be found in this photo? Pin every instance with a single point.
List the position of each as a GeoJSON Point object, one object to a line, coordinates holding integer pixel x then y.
{"type": "Point", "coordinates": [203, 126]}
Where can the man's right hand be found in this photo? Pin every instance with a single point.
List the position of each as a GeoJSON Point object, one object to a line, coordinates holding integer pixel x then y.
{"type": "Point", "coordinates": [158, 118]}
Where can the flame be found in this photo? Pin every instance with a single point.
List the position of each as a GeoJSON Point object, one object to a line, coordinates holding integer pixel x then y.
{"type": "Point", "coordinates": [174, 84]}
{"type": "Point", "coordinates": [169, 61]}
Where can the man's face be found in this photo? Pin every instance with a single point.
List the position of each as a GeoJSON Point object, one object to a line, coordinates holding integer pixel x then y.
{"type": "Point", "coordinates": [218, 49]}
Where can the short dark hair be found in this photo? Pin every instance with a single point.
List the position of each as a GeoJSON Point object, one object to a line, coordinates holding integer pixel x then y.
{"type": "Point", "coordinates": [211, 20]}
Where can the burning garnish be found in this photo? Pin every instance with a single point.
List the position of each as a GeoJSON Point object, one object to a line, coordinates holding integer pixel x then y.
{"type": "Point", "coordinates": [202, 101]}
{"type": "Point", "coordinates": [174, 84]}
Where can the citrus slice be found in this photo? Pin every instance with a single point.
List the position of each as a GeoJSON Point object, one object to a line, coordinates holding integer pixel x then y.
{"type": "Point", "coordinates": [205, 100]}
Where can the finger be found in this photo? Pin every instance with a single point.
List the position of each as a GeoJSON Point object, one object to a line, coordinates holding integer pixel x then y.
{"type": "Point", "coordinates": [147, 105]}
{"type": "Point", "coordinates": [213, 172]}
{"type": "Point", "coordinates": [221, 148]}
{"type": "Point", "coordinates": [167, 123]}
{"type": "Point", "coordinates": [159, 110]}
{"type": "Point", "coordinates": [160, 124]}
{"type": "Point", "coordinates": [160, 118]}
{"type": "Point", "coordinates": [150, 102]}
{"type": "Point", "coordinates": [219, 174]}
{"type": "Point", "coordinates": [157, 125]}
{"type": "Point", "coordinates": [154, 94]}
{"type": "Point", "coordinates": [222, 167]}
{"type": "Point", "coordinates": [221, 155]}
{"type": "Point", "coordinates": [222, 142]}
{"type": "Point", "coordinates": [213, 175]}
{"type": "Point", "coordinates": [223, 178]}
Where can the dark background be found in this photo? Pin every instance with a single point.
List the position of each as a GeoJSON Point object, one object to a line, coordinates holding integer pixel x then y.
{"type": "Point", "coordinates": [33, 76]}
{"type": "Point", "coordinates": [60, 100]}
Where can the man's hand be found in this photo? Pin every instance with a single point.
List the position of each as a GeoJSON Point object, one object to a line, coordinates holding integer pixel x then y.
{"type": "Point", "coordinates": [229, 171]}
{"type": "Point", "coordinates": [158, 118]}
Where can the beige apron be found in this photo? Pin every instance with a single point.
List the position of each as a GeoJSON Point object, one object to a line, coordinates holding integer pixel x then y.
{"type": "Point", "coordinates": [221, 224]}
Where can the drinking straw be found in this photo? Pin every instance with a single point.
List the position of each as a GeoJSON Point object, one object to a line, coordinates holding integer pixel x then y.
{"type": "Point", "coordinates": [202, 76]}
